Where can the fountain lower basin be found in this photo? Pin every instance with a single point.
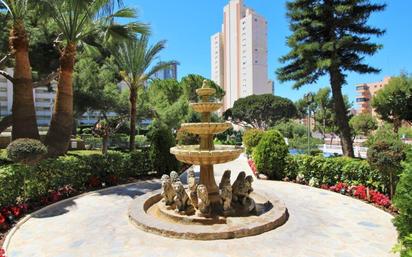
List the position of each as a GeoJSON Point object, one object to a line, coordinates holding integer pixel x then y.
{"type": "Point", "coordinates": [193, 155]}
{"type": "Point", "coordinates": [150, 214]}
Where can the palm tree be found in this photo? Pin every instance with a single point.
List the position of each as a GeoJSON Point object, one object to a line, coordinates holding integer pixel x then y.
{"type": "Point", "coordinates": [80, 21]}
{"type": "Point", "coordinates": [134, 59]}
{"type": "Point", "coordinates": [23, 111]}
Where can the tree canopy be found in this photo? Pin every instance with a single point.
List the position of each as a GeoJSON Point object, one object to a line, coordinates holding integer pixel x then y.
{"type": "Point", "coordinates": [393, 103]}
{"type": "Point", "coordinates": [330, 37]}
{"type": "Point", "coordinates": [363, 124]}
{"type": "Point", "coordinates": [262, 111]}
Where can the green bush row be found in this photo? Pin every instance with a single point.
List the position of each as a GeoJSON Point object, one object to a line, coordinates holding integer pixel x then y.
{"type": "Point", "coordinates": [330, 171]}
{"type": "Point", "coordinates": [22, 183]}
{"type": "Point", "coordinates": [403, 201]}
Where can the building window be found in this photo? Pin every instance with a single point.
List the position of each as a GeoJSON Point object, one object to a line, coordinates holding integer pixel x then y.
{"type": "Point", "coordinates": [3, 89]}
{"type": "Point", "coordinates": [255, 19]}
{"type": "Point", "coordinates": [42, 100]}
{"type": "Point", "coordinates": [3, 98]}
{"type": "Point", "coordinates": [362, 88]}
{"type": "Point", "coordinates": [362, 99]}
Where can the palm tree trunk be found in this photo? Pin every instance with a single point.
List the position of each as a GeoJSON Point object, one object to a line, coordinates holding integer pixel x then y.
{"type": "Point", "coordinates": [58, 136]}
{"type": "Point", "coordinates": [23, 111]}
{"type": "Point", "coordinates": [336, 81]}
{"type": "Point", "coordinates": [133, 111]}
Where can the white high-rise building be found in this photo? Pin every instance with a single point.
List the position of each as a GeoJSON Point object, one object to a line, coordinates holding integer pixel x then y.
{"type": "Point", "coordinates": [239, 54]}
{"type": "Point", "coordinates": [43, 103]}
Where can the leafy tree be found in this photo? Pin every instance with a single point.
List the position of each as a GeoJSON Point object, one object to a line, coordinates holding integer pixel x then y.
{"type": "Point", "coordinates": [23, 111]}
{"type": "Point", "coordinates": [402, 201]}
{"type": "Point", "coordinates": [262, 111]}
{"type": "Point", "coordinates": [80, 21]}
{"type": "Point", "coordinates": [291, 129]}
{"type": "Point", "coordinates": [330, 37]}
{"type": "Point", "coordinates": [386, 152]}
{"type": "Point", "coordinates": [192, 82]}
{"type": "Point", "coordinates": [134, 60]}
{"type": "Point", "coordinates": [105, 128]}
{"type": "Point", "coordinates": [394, 102]}
{"type": "Point", "coordinates": [363, 124]}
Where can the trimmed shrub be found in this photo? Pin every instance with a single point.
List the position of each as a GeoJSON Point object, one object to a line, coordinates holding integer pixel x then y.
{"type": "Point", "coordinates": [251, 139]}
{"type": "Point", "coordinates": [162, 140]}
{"type": "Point", "coordinates": [330, 171]}
{"type": "Point", "coordinates": [26, 151]}
{"type": "Point", "coordinates": [385, 153]}
{"type": "Point", "coordinates": [270, 155]}
{"type": "Point", "coordinates": [21, 183]}
{"type": "Point", "coordinates": [403, 201]}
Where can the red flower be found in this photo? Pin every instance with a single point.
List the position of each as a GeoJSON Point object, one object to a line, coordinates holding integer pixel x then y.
{"type": "Point", "coordinates": [2, 220]}
{"type": "Point", "coordinates": [16, 211]}
{"type": "Point", "coordinates": [360, 192]}
{"type": "Point", "coordinates": [55, 196]}
{"type": "Point", "coordinates": [5, 211]}
{"type": "Point", "coordinates": [324, 187]}
{"type": "Point", "coordinates": [24, 207]}
{"type": "Point", "coordinates": [2, 252]}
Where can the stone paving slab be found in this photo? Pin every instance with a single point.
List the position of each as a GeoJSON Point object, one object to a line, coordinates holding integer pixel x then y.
{"type": "Point", "coordinates": [321, 223]}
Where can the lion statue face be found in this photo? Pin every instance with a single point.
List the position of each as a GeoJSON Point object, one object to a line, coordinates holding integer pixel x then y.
{"type": "Point", "coordinates": [202, 192]}
{"type": "Point", "coordinates": [165, 180]}
{"type": "Point", "coordinates": [174, 176]}
{"type": "Point", "coordinates": [178, 187]}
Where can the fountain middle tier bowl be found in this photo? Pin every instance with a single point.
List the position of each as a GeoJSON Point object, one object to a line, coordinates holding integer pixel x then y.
{"type": "Point", "coordinates": [206, 107]}
{"type": "Point", "coordinates": [221, 154]}
{"type": "Point", "coordinates": [206, 128]}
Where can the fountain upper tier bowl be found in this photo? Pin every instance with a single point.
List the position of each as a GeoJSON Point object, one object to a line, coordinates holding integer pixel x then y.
{"type": "Point", "coordinates": [206, 107]}
{"type": "Point", "coordinates": [221, 154]}
{"type": "Point", "coordinates": [206, 128]}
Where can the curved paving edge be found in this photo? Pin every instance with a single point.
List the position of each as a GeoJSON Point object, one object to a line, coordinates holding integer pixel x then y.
{"type": "Point", "coordinates": [275, 217]}
{"type": "Point", "coordinates": [23, 220]}
{"type": "Point", "coordinates": [321, 223]}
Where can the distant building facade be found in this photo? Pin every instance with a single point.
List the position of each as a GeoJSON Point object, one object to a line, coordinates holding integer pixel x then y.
{"type": "Point", "coordinates": [43, 103]}
{"type": "Point", "coordinates": [239, 54]}
{"type": "Point", "coordinates": [169, 73]}
{"type": "Point", "coordinates": [366, 91]}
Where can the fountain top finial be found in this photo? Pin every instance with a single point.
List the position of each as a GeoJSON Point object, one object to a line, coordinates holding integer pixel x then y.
{"type": "Point", "coordinates": [205, 90]}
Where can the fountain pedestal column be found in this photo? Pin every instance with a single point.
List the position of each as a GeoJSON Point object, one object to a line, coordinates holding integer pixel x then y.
{"type": "Point", "coordinates": [207, 178]}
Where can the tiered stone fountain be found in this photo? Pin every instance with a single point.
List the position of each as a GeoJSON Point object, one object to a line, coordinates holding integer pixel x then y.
{"type": "Point", "coordinates": [204, 211]}
{"type": "Point", "coordinates": [207, 154]}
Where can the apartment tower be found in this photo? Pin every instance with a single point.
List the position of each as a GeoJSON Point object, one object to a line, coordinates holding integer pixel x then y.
{"type": "Point", "coordinates": [239, 54]}
{"type": "Point", "coordinates": [366, 92]}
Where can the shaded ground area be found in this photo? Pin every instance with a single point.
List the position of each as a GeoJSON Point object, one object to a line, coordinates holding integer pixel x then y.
{"type": "Point", "coordinates": [321, 223]}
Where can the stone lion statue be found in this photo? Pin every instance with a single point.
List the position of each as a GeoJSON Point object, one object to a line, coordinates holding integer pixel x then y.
{"type": "Point", "coordinates": [225, 179]}
{"type": "Point", "coordinates": [203, 200]}
{"type": "Point", "coordinates": [174, 177]}
{"type": "Point", "coordinates": [191, 181]}
{"type": "Point", "coordinates": [181, 198]}
{"type": "Point", "coordinates": [238, 185]}
{"type": "Point", "coordinates": [168, 192]}
{"type": "Point", "coordinates": [226, 195]}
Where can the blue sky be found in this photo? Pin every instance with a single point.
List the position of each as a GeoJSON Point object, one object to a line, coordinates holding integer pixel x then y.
{"type": "Point", "coordinates": [188, 24]}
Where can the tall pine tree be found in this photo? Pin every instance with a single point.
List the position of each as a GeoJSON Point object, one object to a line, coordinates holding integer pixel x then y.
{"type": "Point", "coordinates": [330, 37]}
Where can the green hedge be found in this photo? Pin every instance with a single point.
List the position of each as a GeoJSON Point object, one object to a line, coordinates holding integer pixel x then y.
{"type": "Point", "coordinates": [403, 201]}
{"type": "Point", "coordinates": [270, 154]}
{"type": "Point", "coordinates": [330, 171]}
{"type": "Point", "coordinates": [23, 183]}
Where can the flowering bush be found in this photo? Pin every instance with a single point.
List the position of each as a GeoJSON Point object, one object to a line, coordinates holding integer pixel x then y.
{"type": "Point", "coordinates": [330, 171]}
{"type": "Point", "coordinates": [2, 252]}
{"type": "Point", "coordinates": [252, 165]}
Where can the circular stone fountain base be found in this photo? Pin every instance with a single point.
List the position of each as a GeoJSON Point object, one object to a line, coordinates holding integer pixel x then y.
{"type": "Point", "coordinates": [150, 214]}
